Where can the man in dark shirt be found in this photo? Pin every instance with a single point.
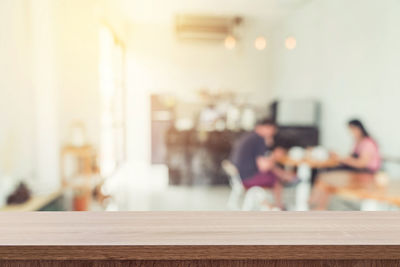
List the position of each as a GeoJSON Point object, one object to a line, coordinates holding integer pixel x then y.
{"type": "Point", "coordinates": [255, 160]}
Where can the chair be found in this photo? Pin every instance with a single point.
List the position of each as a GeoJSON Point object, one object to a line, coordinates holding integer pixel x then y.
{"type": "Point", "coordinates": [236, 185]}
{"type": "Point", "coordinates": [258, 199]}
{"type": "Point", "coordinates": [254, 197]}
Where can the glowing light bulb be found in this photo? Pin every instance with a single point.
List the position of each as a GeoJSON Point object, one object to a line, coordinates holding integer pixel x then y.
{"type": "Point", "coordinates": [290, 43]}
{"type": "Point", "coordinates": [260, 43]}
{"type": "Point", "coordinates": [230, 42]}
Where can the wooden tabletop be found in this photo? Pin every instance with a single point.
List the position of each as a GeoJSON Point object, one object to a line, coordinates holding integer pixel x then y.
{"type": "Point", "coordinates": [312, 163]}
{"type": "Point", "coordinates": [362, 186]}
{"type": "Point", "coordinates": [199, 235]}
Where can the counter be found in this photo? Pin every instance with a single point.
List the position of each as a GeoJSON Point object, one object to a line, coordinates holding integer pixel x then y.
{"type": "Point", "coordinates": [199, 238]}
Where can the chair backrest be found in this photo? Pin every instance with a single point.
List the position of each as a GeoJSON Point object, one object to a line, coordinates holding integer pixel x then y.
{"type": "Point", "coordinates": [233, 173]}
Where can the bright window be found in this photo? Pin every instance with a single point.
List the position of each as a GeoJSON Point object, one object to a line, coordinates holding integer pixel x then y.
{"type": "Point", "coordinates": [112, 91]}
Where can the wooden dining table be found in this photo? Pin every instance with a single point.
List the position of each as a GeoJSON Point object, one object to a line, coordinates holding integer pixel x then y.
{"type": "Point", "coordinates": [306, 171]}
{"type": "Point", "coordinates": [312, 163]}
{"type": "Point", "coordinates": [357, 186]}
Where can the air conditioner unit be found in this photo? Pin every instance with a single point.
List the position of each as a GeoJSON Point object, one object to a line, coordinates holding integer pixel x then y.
{"type": "Point", "coordinates": [205, 27]}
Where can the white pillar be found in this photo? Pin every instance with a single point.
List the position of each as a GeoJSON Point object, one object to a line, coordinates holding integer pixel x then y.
{"type": "Point", "coordinates": [46, 100]}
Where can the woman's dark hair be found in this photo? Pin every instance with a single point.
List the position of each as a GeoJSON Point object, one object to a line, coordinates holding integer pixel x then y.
{"type": "Point", "coordinates": [358, 124]}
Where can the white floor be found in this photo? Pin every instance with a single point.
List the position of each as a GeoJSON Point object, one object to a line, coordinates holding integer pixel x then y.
{"type": "Point", "coordinates": [139, 187]}
{"type": "Point", "coordinates": [190, 198]}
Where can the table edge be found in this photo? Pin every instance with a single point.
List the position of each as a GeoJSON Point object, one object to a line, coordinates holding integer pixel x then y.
{"type": "Point", "coordinates": [201, 252]}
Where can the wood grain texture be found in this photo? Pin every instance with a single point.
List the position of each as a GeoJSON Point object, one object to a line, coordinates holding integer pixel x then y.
{"type": "Point", "coordinates": [200, 236]}
{"type": "Point", "coordinates": [207, 263]}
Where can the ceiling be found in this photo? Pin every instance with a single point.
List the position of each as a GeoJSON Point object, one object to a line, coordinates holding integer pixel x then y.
{"type": "Point", "coordinates": [161, 11]}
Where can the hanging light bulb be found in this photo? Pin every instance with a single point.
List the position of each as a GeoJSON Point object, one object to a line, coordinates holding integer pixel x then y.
{"type": "Point", "coordinates": [260, 43]}
{"type": "Point", "coordinates": [290, 43]}
{"type": "Point", "coordinates": [230, 42]}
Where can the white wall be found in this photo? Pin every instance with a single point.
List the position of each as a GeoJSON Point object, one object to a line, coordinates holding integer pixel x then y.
{"type": "Point", "coordinates": [28, 118]}
{"type": "Point", "coordinates": [49, 79]}
{"type": "Point", "coordinates": [77, 28]}
{"type": "Point", "coordinates": [16, 92]}
{"type": "Point", "coordinates": [158, 62]}
{"type": "Point", "coordinates": [348, 57]}
{"type": "Point", "coordinates": [184, 67]}
{"type": "Point", "coordinates": [47, 148]}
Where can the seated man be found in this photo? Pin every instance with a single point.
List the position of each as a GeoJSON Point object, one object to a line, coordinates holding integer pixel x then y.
{"type": "Point", "coordinates": [255, 160]}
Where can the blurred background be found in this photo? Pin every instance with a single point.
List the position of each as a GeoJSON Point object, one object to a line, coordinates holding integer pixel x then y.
{"type": "Point", "coordinates": [134, 105]}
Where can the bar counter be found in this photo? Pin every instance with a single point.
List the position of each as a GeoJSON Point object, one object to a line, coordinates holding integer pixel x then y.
{"type": "Point", "coordinates": [199, 239]}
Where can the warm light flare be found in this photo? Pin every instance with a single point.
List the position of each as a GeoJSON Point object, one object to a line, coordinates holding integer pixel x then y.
{"type": "Point", "coordinates": [230, 42]}
{"type": "Point", "coordinates": [260, 43]}
{"type": "Point", "coordinates": [290, 43]}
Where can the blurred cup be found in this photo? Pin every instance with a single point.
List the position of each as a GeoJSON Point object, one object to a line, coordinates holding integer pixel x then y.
{"type": "Point", "coordinates": [297, 153]}
{"type": "Point", "coordinates": [320, 153]}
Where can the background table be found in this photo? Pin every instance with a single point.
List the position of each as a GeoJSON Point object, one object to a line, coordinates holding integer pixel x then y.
{"type": "Point", "coordinates": [305, 168]}
{"type": "Point", "coordinates": [358, 186]}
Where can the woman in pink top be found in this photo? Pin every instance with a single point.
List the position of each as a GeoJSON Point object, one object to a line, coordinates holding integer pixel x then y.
{"type": "Point", "coordinates": [365, 156]}
{"type": "Point", "coordinates": [365, 160]}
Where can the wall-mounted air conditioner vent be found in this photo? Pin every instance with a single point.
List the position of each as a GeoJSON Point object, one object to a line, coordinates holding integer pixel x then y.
{"type": "Point", "coordinates": [203, 27]}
